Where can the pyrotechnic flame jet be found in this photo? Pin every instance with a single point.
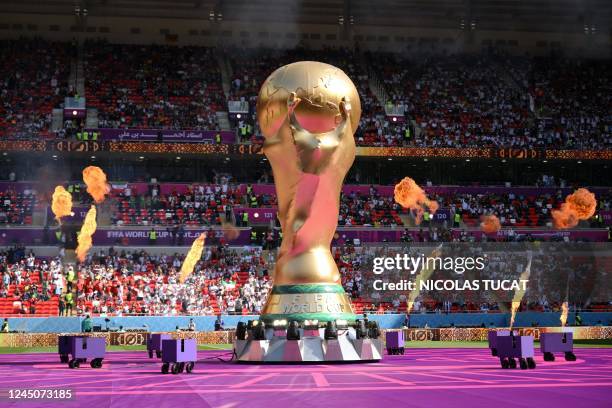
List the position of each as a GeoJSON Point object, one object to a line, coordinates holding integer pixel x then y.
{"type": "Point", "coordinates": [422, 276]}
{"type": "Point", "coordinates": [85, 236]}
{"type": "Point", "coordinates": [518, 295]}
{"type": "Point", "coordinates": [61, 203]}
{"type": "Point", "coordinates": [193, 256]}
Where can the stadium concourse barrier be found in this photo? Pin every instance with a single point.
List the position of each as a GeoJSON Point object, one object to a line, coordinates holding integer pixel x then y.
{"type": "Point", "coordinates": [386, 321]}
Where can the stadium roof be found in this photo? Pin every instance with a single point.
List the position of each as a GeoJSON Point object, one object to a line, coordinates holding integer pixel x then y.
{"type": "Point", "coordinates": [517, 15]}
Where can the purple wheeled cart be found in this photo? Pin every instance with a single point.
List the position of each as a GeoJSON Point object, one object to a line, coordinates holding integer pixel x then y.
{"type": "Point", "coordinates": [557, 343]}
{"type": "Point", "coordinates": [179, 355]}
{"type": "Point", "coordinates": [82, 348]}
{"type": "Point", "coordinates": [519, 347]}
{"type": "Point", "coordinates": [154, 343]}
{"type": "Point", "coordinates": [395, 342]}
{"type": "Point", "coordinates": [64, 348]}
{"type": "Point", "coordinates": [492, 335]}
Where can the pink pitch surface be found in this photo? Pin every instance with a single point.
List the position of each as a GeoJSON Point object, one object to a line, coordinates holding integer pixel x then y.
{"type": "Point", "coordinates": [421, 378]}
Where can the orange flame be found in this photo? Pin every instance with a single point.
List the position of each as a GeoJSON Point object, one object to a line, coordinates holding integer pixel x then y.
{"type": "Point", "coordinates": [95, 179]}
{"type": "Point", "coordinates": [61, 204]}
{"type": "Point", "coordinates": [564, 217]}
{"type": "Point", "coordinates": [518, 295]}
{"type": "Point", "coordinates": [490, 224]}
{"type": "Point", "coordinates": [230, 232]}
{"type": "Point", "coordinates": [193, 256]}
{"type": "Point", "coordinates": [581, 205]}
{"type": "Point", "coordinates": [408, 194]}
{"type": "Point", "coordinates": [85, 236]}
{"type": "Point", "coordinates": [564, 311]}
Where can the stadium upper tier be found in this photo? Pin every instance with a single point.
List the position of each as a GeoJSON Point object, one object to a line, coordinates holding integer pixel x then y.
{"type": "Point", "coordinates": [487, 100]}
{"type": "Point", "coordinates": [197, 204]}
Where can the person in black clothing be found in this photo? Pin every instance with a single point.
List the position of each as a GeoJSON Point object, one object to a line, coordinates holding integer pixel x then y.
{"type": "Point", "coordinates": [218, 323]}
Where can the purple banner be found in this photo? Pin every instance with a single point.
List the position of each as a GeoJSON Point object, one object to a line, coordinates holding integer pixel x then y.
{"type": "Point", "coordinates": [607, 217]}
{"type": "Point", "coordinates": [395, 235]}
{"type": "Point", "coordinates": [116, 236]}
{"type": "Point", "coordinates": [79, 214]}
{"type": "Point", "coordinates": [165, 237]}
{"type": "Point", "coordinates": [257, 215]}
{"type": "Point", "coordinates": [140, 236]}
{"type": "Point", "coordinates": [150, 135]}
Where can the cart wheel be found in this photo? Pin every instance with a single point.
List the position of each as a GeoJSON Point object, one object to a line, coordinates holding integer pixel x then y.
{"type": "Point", "coordinates": [165, 367]}
{"type": "Point", "coordinates": [94, 363]}
{"type": "Point", "coordinates": [72, 364]}
{"type": "Point", "coordinates": [158, 353]}
{"type": "Point", "coordinates": [548, 356]}
{"type": "Point", "coordinates": [523, 363]}
{"type": "Point", "coordinates": [63, 358]}
{"type": "Point", "coordinates": [402, 350]}
{"type": "Point", "coordinates": [175, 368]}
{"type": "Point", "coordinates": [511, 363]}
{"type": "Point", "coordinates": [569, 356]}
{"type": "Point", "coordinates": [504, 363]}
{"type": "Point", "coordinates": [77, 363]}
{"type": "Point", "coordinates": [494, 352]}
{"type": "Point", "coordinates": [182, 367]}
{"type": "Point", "coordinates": [531, 363]}
{"type": "Point", "coordinates": [189, 367]}
{"type": "Point", "coordinates": [150, 353]}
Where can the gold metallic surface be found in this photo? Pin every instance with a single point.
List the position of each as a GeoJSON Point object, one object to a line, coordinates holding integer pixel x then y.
{"type": "Point", "coordinates": [333, 303]}
{"type": "Point", "coordinates": [308, 112]}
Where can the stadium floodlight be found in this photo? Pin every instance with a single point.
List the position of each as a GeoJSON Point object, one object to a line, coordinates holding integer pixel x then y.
{"type": "Point", "coordinates": [311, 325]}
{"type": "Point", "coordinates": [238, 116]}
{"type": "Point", "coordinates": [258, 330]}
{"type": "Point", "coordinates": [331, 331]}
{"type": "Point", "coordinates": [293, 332]}
{"type": "Point", "coordinates": [241, 331]}
{"type": "Point", "coordinates": [279, 324]}
{"type": "Point", "coordinates": [341, 324]}
{"type": "Point", "coordinates": [361, 330]}
{"type": "Point", "coordinates": [74, 113]}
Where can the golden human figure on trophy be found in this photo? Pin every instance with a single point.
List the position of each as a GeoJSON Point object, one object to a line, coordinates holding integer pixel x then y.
{"type": "Point", "coordinates": [308, 112]}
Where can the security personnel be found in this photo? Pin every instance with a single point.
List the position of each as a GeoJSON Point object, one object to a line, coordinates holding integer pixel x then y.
{"type": "Point", "coordinates": [457, 219]}
{"type": "Point", "coordinates": [152, 237]}
{"type": "Point", "coordinates": [58, 235]}
{"type": "Point", "coordinates": [70, 278]}
{"type": "Point", "coordinates": [79, 136]}
{"type": "Point", "coordinates": [249, 129]}
{"type": "Point", "coordinates": [85, 136]}
{"type": "Point", "coordinates": [76, 188]}
{"type": "Point", "coordinates": [253, 237]}
{"type": "Point", "coordinates": [245, 218]}
{"type": "Point", "coordinates": [253, 201]}
{"type": "Point", "coordinates": [69, 302]}
{"type": "Point", "coordinates": [87, 324]}
{"type": "Point", "coordinates": [249, 189]}
{"type": "Point", "coordinates": [426, 217]}
{"type": "Point", "coordinates": [70, 188]}
{"type": "Point", "coordinates": [218, 138]}
{"type": "Point", "coordinates": [407, 133]}
{"type": "Point", "coordinates": [94, 136]}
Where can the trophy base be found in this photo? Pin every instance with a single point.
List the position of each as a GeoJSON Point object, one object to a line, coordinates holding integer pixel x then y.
{"type": "Point", "coordinates": [316, 301]}
{"type": "Point", "coordinates": [309, 349]}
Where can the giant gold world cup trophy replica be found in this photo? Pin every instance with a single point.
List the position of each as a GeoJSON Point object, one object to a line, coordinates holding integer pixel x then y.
{"type": "Point", "coordinates": [308, 112]}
